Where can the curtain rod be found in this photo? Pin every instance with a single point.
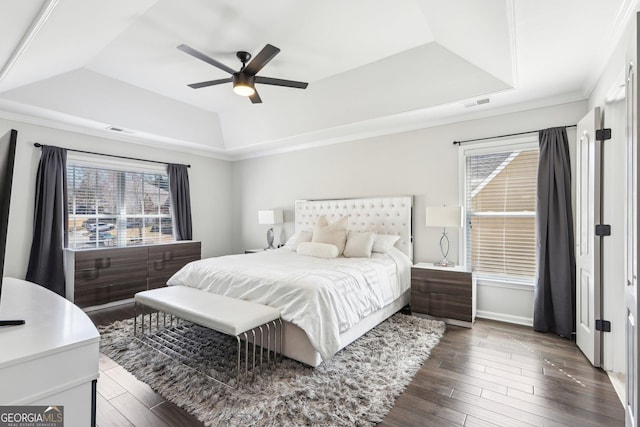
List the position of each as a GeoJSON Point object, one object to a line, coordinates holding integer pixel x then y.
{"type": "Point", "coordinates": [503, 136]}
{"type": "Point", "coordinates": [38, 145]}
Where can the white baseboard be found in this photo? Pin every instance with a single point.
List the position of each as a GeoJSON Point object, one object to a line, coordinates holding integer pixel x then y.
{"type": "Point", "coordinates": [507, 318]}
{"type": "Point", "coordinates": [108, 305]}
{"type": "Point", "coordinates": [618, 382]}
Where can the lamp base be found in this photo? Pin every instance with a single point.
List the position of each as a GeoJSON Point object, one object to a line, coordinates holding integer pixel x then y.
{"type": "Point", "coordinates": [444, 263]}
{"type": "Point", "coordinates": [444, 248]}
{"type": "Point", "coordinates": [269, 240]}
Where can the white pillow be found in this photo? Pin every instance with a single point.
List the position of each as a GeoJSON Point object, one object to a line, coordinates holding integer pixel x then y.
{"type": "Point", "coordinates": [334, 233]}
{"type": "Point", "coordinates": [296, 239]}
{"type": "Point", "coordinates": [359, 245]}
{"type": "Point", "coordinates": [318, 250]}
{"type": "Point", "coordinates": [384, 242]}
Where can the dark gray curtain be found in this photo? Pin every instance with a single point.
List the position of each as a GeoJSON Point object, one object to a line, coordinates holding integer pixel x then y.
{"type": "Point", "coordinates": [180, 201]}
{"type": "Point", "coordinates": [46, 264]}
{"type": "Point", "coordinates": [555, 291]}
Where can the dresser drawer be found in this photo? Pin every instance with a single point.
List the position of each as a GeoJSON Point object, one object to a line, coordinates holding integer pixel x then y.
{"type": "Point", "coordinates": [115, 273]}
{"type": "Point", "coordinates": [174, 251]}
{"type": "Point", "coordinates": [442, 306]}
{"type": "Point", "coordinates": [109, 292]}
{"type": "Point", "coordinates": [103, 258]}
{"type": "Point", "coordinates": [447, 287]}
{"type": "Point", "coordinates": [166, 260]}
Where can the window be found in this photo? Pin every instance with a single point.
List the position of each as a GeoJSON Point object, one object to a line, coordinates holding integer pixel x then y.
{"type": "Point", "coordinates": [116, 204]}
{"type": "Point", "coordinates": [500, 200]}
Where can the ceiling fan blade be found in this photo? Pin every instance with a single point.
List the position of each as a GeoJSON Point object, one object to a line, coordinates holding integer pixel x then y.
{"type": "Point", "coordinates": [209, 60]}
{"type": "Point", "coordinates": [261, 59]}
{"type": "Point", "coordinates": [281, 82]}
{"type": "Point", "coordinates": [255, 98]}
{"type": "Point", "coordinates": [210, 83]}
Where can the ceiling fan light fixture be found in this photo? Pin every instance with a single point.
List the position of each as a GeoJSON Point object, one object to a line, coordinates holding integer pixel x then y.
{"type": "Point", "coordinates": [243, 84]}
{"type": "Point", "coordinates": [243, 90]}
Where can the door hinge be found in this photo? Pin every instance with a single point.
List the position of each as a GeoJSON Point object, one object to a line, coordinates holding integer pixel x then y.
{"type": "Point", "coordinates": [603, 134]}
{"type": "Point", "coordinates": [603, 230]}
{"type": "Point", "coordinates": [603, 325]}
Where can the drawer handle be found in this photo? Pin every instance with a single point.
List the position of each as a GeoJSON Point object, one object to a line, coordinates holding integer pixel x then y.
{"type": "Point", "coordinates": [103, 262]}
{"type": "Point", "coordinates": [167, 256]}
{"type": "Point", "coordinates": [158, 265]}
{"type": "Point", "coordinates": [91, 274]}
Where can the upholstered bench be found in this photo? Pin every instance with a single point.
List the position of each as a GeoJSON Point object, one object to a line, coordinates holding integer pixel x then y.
{"type": "Point", "coordinates": [229, 316]}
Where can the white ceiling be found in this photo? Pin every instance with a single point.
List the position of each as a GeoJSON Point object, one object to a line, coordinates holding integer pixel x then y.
{"type": "Point", "coordinates": [373, 66]}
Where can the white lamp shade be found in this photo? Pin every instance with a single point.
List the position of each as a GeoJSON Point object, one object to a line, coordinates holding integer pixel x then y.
{"type": "Point", "coordinates": [441, 216]}
{"type": "Point", "coordinates": [270, 217]}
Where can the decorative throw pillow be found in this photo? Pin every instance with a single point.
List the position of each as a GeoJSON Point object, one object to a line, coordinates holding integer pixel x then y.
{"type": "Point", "coordinates": [318, 250]}
{"type": "Point", "coordinates": [359, 245]}
{"type": "Point", "coordinates": [290, 241]}
{"type": "Point", "coordinates": [384, 242]}
{"type": "Point", "coordinates": [296, 239]}
{"type": "Point", "coordinates": [334, 233]}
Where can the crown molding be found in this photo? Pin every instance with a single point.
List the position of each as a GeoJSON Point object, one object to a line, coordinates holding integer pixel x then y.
{"type": "Point", "coordinates": [40, 117]}
{"type": "Point", "coordinates": [387, 125]}
{"type": "Point", "coordinates": [397, 123]}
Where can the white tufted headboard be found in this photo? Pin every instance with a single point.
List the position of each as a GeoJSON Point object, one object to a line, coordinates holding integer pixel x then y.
{"type": "Point", "coordinates": [383, 215]}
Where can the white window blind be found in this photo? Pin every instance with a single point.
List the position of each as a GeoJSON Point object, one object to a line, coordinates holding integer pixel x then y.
{"type": "Point", "coordinates": [500, 190]}
{"type": "Point", "coordinates": [117, 205]}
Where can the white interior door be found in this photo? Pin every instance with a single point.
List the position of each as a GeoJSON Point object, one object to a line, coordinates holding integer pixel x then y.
{"type": "Point", "coordinates": [587, 243]}
{"type": "Point", "coordinates": [631, 241]}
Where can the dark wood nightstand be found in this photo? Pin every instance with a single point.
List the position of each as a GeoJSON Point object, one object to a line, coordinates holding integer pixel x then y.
{"type": "Point", "coordinates": [447, 293]}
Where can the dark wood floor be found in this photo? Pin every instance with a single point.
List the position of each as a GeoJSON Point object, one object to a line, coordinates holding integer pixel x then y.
{"type": "Point", "coordinates": [495, 374]}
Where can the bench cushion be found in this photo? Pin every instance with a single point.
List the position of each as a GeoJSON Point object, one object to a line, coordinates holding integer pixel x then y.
{"type": "Point", "coordinates": [223, 314]}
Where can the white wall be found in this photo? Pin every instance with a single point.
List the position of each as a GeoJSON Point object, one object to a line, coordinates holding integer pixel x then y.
{"type": "Point", "coordinates": [423, 163]}
{"type": "Point", "coordinates": [210, 182]}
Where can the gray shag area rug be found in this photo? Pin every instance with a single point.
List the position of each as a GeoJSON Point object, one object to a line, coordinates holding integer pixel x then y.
{"type": "Point", "coordinates": [357, 387]}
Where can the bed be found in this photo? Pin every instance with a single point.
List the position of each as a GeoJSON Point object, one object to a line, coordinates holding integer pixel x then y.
{"type": "Point", "coordinates": [326, 303]}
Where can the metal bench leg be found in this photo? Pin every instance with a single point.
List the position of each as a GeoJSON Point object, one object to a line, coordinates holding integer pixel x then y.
{"type": "Point", "coordinates": [246, 356]}
{"type": "Point", "coordinates": [253, 365]}
{"type": "Point", "coordinates": [238, 367]}
{"type": "Point", "coordinates": [275, 343]}
{"type": "Point", "coordinates": [281, 339]}
{"type": "Point", "coordinates": [135, 318]}
{"type": "Point", "coordinates": [268, 345]}
{"type": "Point", "coordinates": [261, 345]}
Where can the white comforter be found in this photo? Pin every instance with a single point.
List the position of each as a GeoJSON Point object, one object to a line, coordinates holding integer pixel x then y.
{"type": "Point", "coordinates": [324, 297]}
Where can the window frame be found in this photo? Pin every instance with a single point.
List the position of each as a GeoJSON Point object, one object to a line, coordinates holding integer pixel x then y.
{"type": "Point", "coordinates": [115, 164]}
{"type": "Point", "coordinates": [487, 147]}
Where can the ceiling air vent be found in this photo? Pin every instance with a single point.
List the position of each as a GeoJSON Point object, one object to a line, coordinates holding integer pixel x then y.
{"type": "Point", "coordinates": [477, 102]}
{"type": "Point", "coordinates": [120, 130]}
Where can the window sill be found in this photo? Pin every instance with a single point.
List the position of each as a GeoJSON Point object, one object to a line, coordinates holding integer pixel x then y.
{"type": "Point", "coordinates": [505, 282]}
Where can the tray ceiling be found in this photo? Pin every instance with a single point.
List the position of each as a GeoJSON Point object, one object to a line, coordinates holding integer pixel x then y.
{"type": "Point", "coordinates": [95, 64]}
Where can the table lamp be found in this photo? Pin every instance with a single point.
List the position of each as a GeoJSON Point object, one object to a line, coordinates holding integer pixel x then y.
{"type": "Point", "coordinates": [270, 217]}
{"type": "Point", "coordinates": [442, 216]}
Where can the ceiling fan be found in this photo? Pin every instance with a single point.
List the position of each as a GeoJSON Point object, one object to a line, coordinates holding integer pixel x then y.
{"type": "Point", "coordinates": [244, 80]}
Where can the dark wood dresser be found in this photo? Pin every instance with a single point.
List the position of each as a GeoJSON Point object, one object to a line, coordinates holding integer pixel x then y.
{"type": "Point", "coordinates": [100, 276]}
{"type": "Point", "coordinates": [447, 293]}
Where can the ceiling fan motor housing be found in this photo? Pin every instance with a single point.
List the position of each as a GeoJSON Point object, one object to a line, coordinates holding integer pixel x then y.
{"type": "Point", "coordinates": [242, 79]}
